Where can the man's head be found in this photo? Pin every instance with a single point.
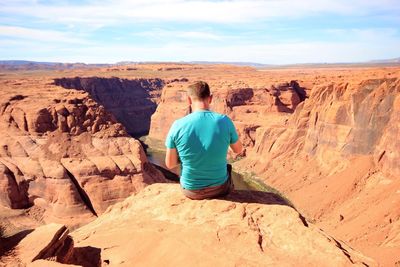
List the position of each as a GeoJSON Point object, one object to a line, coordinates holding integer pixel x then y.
{"type": "Point", "coordinates": [199, 91]}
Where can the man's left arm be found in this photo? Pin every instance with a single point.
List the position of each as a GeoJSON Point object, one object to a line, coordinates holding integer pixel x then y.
{"type": "Point", "coordinates": [171, 156]}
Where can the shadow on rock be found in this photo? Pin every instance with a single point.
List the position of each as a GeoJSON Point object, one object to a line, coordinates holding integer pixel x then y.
{"type": "Point", "coordinates": [8, 243]}
{"type": "Point", "coordinates": [244, 196]}
{"type": "Point", "coordinates": [86, 257]}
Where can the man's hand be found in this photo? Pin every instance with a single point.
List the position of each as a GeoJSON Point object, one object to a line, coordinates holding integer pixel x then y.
{"type": "Point", "coordinates": [171, 158]}
{"type": "Point", "coordinates": [236, 147]}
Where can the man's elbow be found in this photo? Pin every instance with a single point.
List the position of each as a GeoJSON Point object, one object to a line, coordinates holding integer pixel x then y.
{"type": "Point", "coordinates": [238, 150]}
{"type": "Point", "coordinates": [237, 147]}
{"type": "Point", "coordinates": [168, 164]}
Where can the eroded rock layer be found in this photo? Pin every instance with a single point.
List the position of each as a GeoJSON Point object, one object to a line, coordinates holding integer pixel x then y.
{"type": "Point", "coordinates": [337, 159]}
{"type": "Point", "coordinates": [64, 154]}
{"type": "Point", "coordinates": [131, 101]}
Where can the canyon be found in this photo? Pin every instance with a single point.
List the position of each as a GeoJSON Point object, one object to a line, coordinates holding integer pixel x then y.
{"type": "Point", "coordinates": [327, 138]}
{"type": "Point", "coordinates": [62, 154]}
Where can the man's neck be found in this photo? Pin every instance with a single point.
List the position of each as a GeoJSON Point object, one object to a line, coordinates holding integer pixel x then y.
{"type": "Point", "coordinates": [200, 106]}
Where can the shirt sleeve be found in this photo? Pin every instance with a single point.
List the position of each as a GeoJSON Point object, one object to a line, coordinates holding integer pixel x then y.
{"type": "Point", "coordinates": [170, 140]}
{"type": "Point", "coordinates": [233, 135]}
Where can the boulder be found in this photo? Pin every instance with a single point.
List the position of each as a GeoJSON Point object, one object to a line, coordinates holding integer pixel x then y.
{"type": "Point", "coordinates": [48, 241]}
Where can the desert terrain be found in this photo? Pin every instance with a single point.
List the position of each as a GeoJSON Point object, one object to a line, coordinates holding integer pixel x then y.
{"type": "Point", "coordinates": [77, 188]}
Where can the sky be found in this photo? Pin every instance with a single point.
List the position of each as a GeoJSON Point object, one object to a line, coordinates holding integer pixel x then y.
{"type": "Point", "coordinates": [262, 31]}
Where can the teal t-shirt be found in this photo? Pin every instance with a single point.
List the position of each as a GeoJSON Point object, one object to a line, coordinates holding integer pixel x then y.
{"type": "Point", "coordinates": [202, 139]}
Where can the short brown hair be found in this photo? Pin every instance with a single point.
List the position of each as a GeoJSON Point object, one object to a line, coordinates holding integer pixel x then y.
{"type": "Point", "coordinates": [199, 90]}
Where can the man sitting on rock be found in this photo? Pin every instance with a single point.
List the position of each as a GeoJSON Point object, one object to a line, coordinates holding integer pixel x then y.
{"type": "Point", "coordinates": [201, 140]}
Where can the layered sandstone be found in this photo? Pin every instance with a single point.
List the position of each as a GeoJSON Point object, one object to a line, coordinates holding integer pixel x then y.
{"type": "Point", "coordinates": [342, 144]}
{"type": "Point", "coordinates": [131, 101]}
{"type": "Point", "coordinates": [63, 154]}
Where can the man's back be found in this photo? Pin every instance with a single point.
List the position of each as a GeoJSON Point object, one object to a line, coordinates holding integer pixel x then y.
{"type": "Point", "coordinates": [202, 139]}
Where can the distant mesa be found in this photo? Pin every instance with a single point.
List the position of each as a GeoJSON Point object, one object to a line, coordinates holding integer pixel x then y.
{"type": "Point", "coordinates": [37, 65]}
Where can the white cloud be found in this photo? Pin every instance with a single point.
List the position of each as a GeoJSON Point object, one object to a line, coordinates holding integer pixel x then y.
{"type": "Point", "coordinates": [39, 35]}
{"type": "Point", "coordinates": [274, 53]}
{"type": "Point", "coordinates": [249, 44]}
{"type": "Point", "coordinates": [237, 11]}
{"type": "Point", "coordinates": [161, 33]}
{"type": "Point", "coordinates": [365, 34]}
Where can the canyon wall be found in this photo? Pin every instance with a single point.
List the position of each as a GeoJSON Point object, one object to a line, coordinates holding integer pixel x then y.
{"type": "Point", "coordinates": [247, 106]}
{"type": "Point", "coordinates": [64, 155]}
{"type": "Point", "coordinates": [131, 101]}
{"type": "Point", "coordinates": [337, 158]}
{"type": "Point", "coordinates": [336, 122]}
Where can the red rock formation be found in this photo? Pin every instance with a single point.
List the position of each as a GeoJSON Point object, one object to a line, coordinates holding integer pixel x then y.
{"type": "Point", "coordinates": [335, 158]}
{"type": "Point", "coordinates": [63, 152]}
{"type": "Point", "coordinates": [50, 241]}
{"type": "Point", "coordinates": [132, 102]}
{"type": "Point", "coordinates": [248, 229]}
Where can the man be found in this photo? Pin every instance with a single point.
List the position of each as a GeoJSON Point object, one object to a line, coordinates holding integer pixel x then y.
{"type": "Point", "coordinates": [201, 140]}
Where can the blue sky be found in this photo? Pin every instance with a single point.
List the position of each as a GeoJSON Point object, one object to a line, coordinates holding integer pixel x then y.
{"type": "Point", "coordinates": [264, 31]}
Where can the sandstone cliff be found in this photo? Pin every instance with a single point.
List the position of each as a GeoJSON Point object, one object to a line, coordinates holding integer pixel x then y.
{"type": "Point", "coordinates": [131, 101]}
{"type": "Point", "coordinates": [337, 159]}
{"type": "Point", "coordinates": [63, 154]}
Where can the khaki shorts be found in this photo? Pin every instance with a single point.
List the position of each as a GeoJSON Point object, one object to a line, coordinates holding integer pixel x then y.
{"type": "Point", "coordinates": [212, 191]}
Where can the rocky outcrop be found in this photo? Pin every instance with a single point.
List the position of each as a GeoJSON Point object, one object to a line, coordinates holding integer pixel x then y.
{"type": "Point", "coordinates": [47, 245]}
{"type": "Point", "coordinates": [64, 153]}
{"type": "Point", "coordinates": [338, 121]}
{"type": "Point", "coordinates": [335, 158]}
{"type": "Point", "coordinates": [132, 102]}
{"type": "Point", "coordinates": [74, 115]}
{"type": "Point", "coordinates": [248, 229]}
{"type": "Point", "coordinates": [244, 228]}
{"type": "Point", "coordinates": [50, 242]}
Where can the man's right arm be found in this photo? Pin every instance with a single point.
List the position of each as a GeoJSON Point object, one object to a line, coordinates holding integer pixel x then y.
{"type": "Point", "coordinates": [235, 143]}
{"type": "Point", "coordinates": [236, 147]}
